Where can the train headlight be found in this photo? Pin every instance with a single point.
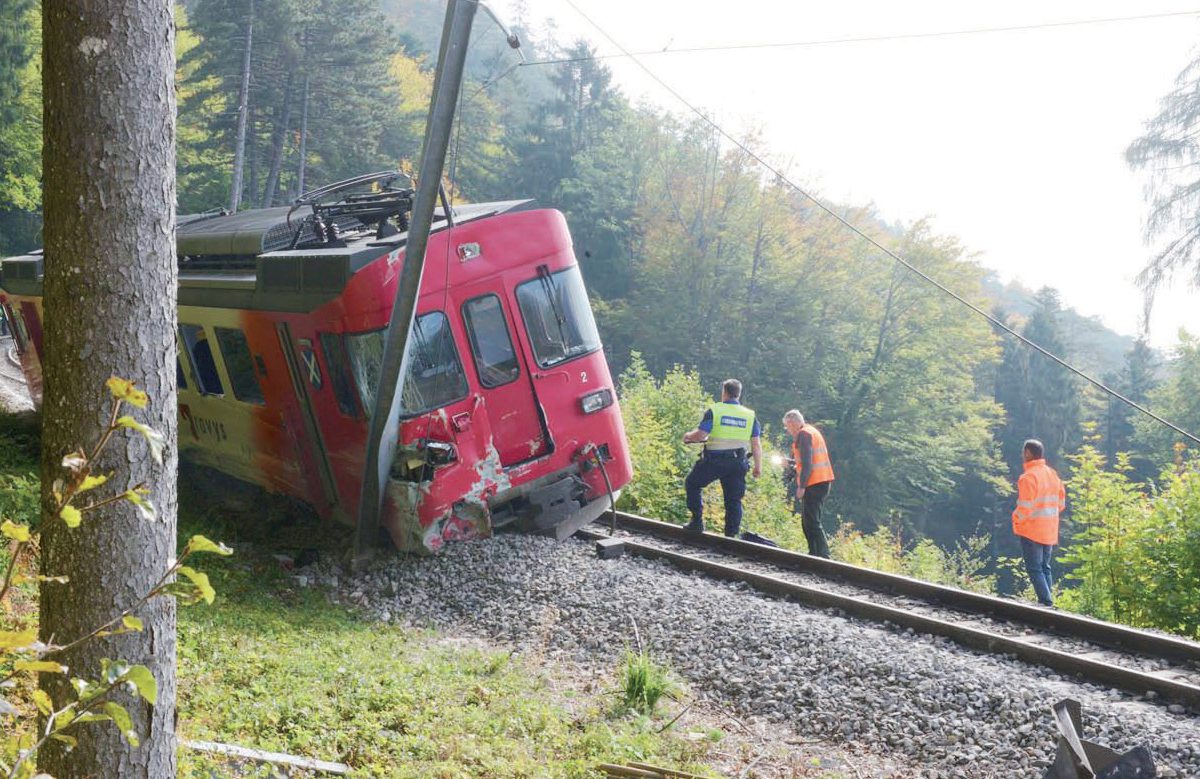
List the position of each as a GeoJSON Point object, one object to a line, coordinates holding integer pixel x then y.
{"type": "Point", "coordinates": [594, 401]}
{"type": "Point", "coordinates": [439, 453]}
{"type": "Point", "coordinates": [777, 460]}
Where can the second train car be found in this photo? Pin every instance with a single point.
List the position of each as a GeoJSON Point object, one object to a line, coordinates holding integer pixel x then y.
{"type": "Point", "coordinates": [510, 414]}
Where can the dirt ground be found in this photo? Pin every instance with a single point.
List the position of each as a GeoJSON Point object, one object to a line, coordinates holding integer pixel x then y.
{"type": "Point", "coordinates": [14, 397]}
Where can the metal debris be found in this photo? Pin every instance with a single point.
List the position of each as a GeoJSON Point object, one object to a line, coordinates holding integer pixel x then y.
{"type": "Point", "coordinates": [1078, 758]}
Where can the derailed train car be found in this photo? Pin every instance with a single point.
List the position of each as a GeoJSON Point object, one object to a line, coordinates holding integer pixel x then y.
{"type": "Point", "coordinates": [509, 414]}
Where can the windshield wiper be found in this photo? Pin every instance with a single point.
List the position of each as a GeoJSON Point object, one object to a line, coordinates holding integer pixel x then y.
{"type": "Point", "coordinates": [551, 290]}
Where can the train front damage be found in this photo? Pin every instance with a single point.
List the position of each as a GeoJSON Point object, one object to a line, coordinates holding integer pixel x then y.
{"type": "Point", "coordinates": [449, 481]}
{"type": "Point", "coordinates": [510, 412]}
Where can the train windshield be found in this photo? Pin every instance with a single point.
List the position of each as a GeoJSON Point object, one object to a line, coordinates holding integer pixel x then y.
{"type": "Point", "coordinates": [558, 317]}
{"type": "Point", "coordinates": [435, 374]}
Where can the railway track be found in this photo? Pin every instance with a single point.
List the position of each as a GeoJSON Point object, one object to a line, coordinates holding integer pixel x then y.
{"type": "Point", "coordinates": [10, 366]}
{"type": "Point", "coordinates": [1084, 649]}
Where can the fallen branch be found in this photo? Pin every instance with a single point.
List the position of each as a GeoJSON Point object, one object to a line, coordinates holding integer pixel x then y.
{"type": "Point", "coordinates": [275, 758]}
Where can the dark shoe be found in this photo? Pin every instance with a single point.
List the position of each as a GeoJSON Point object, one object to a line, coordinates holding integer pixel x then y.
{"type": "Point", "coordinates": [694, 527]}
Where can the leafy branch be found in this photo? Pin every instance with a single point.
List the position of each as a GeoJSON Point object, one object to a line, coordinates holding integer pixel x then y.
{"type": "Point", "coordinates": [27, 654]}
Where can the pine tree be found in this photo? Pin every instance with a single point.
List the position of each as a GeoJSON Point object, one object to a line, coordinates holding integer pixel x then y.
{"type": "Point", "coordinates": [1135, 381]}
{"type": "Point", "coordinates": [319, 80]}
{"type": "Point", "coordinates": [1040, 397]}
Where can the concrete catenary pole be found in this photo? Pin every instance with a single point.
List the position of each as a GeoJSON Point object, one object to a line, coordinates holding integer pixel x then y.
{"type": "Point", "coordinates": [385, 416]}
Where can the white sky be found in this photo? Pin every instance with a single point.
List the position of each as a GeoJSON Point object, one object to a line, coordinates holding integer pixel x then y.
{"type": "Point", "coordinates": [1011, 141]}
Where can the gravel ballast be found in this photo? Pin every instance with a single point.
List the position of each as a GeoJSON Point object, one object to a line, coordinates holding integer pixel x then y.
{"type": "Point", "coordinates": [951, 710]}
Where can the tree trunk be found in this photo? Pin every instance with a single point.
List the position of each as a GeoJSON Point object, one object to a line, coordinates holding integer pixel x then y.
{"type": "Point", "coordinates": [239, 140]}
{"type": "Point", "coordinates": [110, 304]}
{"type": "Point", "coordinates": [303, 140]}
{"type": "Point", "coordinates": [255, 158]}
{"type": "Point", "coordinates": [278, 141]}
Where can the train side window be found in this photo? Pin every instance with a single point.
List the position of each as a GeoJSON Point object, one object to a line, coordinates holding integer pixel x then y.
{"type": "Point", "coordinates": [435, 376]}
{"type": "Point", "coordinates": [180, 379]}
{"type": "Point", "coordinates": [558, 316]}
{"type": "Point", "coordinates": [15, 329]}
{"type": "Point", "coordinates": [339, 373]}
{"type": "Point", "coordinates": [21, 330]}
{"type": "Point", "coordinates": [491, 344]}
{"type": "Point", "coordinates": [205, 364]}
{"type": "Point", "coordinates": [239, 364]}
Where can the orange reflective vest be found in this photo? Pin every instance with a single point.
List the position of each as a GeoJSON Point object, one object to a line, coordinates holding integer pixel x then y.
{"type": "Point", "coordinates": [822, 469]}
{"type": "Point", "coordinates": [1040, 499]}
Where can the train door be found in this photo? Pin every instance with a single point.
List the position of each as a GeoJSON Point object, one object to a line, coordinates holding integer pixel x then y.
{"type": "Point", "coordinates": [306, 376]}
{"type": "Point", "coordinates": [219, 397]}
{"type": "Point", "coordinates": [518, 430]}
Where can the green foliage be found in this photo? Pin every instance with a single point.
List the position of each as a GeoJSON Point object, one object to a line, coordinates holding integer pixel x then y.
{"type": "Point", "coordinates": [18, 475]}
{"type": "Point", "coordinates": [1108, 513]}
{"type": "Point", "coordinates": [301, 64]}
{"type": "Point", "coordinates": [1171, 553]}
{"type": "Point", "coordinates": [657, 414]}
{"type": "Point", "coordinates": [20, 124]}
{"type": "Point", "coordinates": [884, 550]}
{"type": "Point", "coordinates": [1133, 554]}
{"type": "Point", "coordinates": [1040, 398]}
{"type": "Point", "coordinates": [1176, 399]}
{"type": "Point", "coordinates": [644, 682]}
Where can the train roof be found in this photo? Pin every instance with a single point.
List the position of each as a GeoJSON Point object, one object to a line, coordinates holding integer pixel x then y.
{"type": "Point", "coordinates": [262, 259]}
{"type": "Point", "coordinates": [269, 230]}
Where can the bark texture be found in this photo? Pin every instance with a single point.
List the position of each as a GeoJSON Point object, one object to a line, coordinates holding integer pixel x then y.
{"type": "Point", "coordinates": [110, 303]}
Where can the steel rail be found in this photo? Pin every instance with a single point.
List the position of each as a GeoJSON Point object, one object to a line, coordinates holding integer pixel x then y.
{"type": "Point", "coordinates": [1062, 623]}
{"type": "Point", "coordinates": [1091, 670]}
{"type": "Point", "coordinates": [10, 356]}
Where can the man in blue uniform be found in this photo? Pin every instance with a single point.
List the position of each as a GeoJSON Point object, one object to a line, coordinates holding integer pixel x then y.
{"type": "Point", "coordinates": [727, 431]}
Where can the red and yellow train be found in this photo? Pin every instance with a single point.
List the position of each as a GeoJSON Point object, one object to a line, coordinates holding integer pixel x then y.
{"type": "Point", "coordinates": [510, 413]}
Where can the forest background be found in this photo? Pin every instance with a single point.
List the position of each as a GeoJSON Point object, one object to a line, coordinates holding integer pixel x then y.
{"type": "Point", "coordinates": [701, 266]}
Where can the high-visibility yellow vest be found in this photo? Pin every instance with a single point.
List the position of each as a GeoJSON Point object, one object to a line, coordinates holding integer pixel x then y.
{"type": "Point", "coordinates": [733, 425]}
{"type": "Point", "coordinates": [1040, 499]}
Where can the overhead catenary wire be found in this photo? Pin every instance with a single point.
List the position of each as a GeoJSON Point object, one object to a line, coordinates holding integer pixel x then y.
{"type": "Point", "coordinates": [997, 323]}
{"type": "Point", "coordinates": [852, 39]}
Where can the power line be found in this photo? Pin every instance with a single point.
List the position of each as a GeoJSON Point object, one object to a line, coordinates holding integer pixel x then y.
{"type": "Point", "coordinates": [858, 39]}
{"type": "Point", "coordinates": [863, 235]}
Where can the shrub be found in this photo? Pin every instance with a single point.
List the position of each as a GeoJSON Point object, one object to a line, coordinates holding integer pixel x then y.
{"type": "Point", "coordinates": [1103, 555]}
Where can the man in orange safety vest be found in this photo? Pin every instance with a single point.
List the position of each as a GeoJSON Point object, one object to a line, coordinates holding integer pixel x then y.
{"type": "Point", "coordinates": [1040, 500]}
{"type": "Point", "coordinates": [814, 476]}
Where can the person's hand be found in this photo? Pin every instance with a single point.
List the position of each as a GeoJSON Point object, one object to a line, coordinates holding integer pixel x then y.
{"type": "Point", "coordinates": [800, 492]}
{"type": "Point", "coordinates": [757, 470]}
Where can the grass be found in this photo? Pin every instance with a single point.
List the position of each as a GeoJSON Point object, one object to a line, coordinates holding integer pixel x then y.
{"type": "Point", "coordinates": [645, 683]}
{"type": "Point", "coordinates": [279, 668]}
{"type": "Point", "coordinates": [282, 670]}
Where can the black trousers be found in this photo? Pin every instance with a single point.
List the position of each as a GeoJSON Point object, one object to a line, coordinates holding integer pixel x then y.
{"type": "Point", "coordinates": [731, 470]}
{"type": "Point", "coordinates": [809, 509]}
